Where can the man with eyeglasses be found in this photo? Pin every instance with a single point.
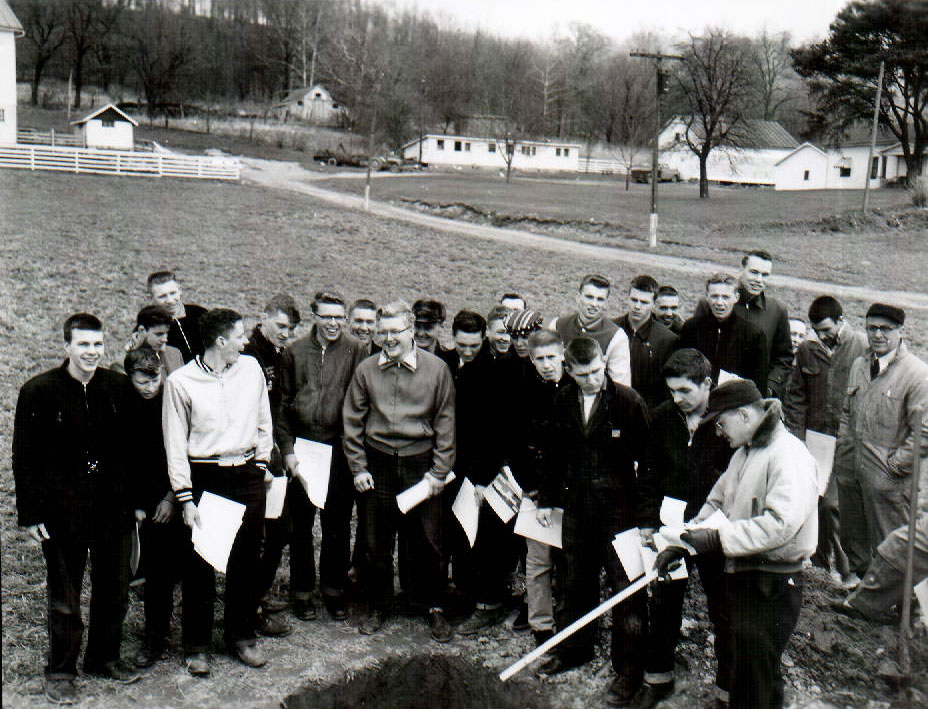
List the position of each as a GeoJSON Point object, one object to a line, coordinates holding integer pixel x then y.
{"type": "Point", "coordinates": [875, 437]}
{"type": "Point", "coordinates": [399, 430]}
{"type": "Point", "coordinates": [315, 372]}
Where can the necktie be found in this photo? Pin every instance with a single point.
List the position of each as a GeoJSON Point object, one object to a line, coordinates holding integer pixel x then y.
{"type": "Point", "coordinates": [874, 368]}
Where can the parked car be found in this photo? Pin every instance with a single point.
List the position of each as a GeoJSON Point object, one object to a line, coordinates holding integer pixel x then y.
{"type": "Point", "coordinates": [664, 174]}
{"type": "Point", "coordinates": [343, 157]}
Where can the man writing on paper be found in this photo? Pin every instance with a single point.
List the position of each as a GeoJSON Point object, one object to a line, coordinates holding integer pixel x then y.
{"type": "Point", "coordinates": [399, 429]}
{"type": "Point", "coordinates": [814, 398]}
{"type": "Point", "coordinates": [218, 438]}
{"type": "Point", "coordinates": [315, 372]}
{"type": "Point", "coordinates": [768, 494]}
{"type": "Point", "coordinates": [598, 432]}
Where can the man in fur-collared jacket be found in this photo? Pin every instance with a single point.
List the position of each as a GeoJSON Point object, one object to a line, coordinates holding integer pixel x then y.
{"type": "Point", "coordinates": [769, 496]}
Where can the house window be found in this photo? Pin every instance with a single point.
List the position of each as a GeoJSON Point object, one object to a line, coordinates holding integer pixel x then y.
{"type": "Point", "coordinates": [318, 95]}
{"type": "Point", "coordinates": [528, 149]}
{"type": "Point", "coordinates": [440, 144]}
{"type": "Point", "coordinates": [457, 146]}
{"type": "Point", "coordinates": [466, 147]}
{"type": "Point", "coordinates": [805, 176]}
{"type": "Point", "coordinates": [875, 168]}
{"type": "Point", "coordinates": [557, 152]}
{"type": "Point", "coordinates": [491, 147]}
{"type": "Point", "coordinates": [566, 152]}
{"type": "Point", "coordinates": [2, 115]}
{"type": "Point", "coordinates": [883, 171]}
{"type": "Point", "coordinates": [334, 106]}
{"type": "Point", "coordinates": [108, 123]}
{"type": "Point", "coordinates": [844, 171]}
{"type": "Point", "coordinates": [299, 103]}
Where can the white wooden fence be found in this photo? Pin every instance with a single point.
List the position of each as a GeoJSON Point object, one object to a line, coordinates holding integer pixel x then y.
{"type": "Point", "coordinates": [118, 162]}
{"type": "Point", "coordinates": [600, 167]}
{"type": "Point", "coordinates": [34, 137]}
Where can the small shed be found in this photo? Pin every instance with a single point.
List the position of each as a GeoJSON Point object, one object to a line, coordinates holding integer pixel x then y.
{"type": "Point", "coordinates": [10, 29]}
{"type": "Point", "coordinates": [107, 127]}
{"type": "Point", "coordinates": [805, 168]}
{"type": "Point", "coordinates": [314, 105]}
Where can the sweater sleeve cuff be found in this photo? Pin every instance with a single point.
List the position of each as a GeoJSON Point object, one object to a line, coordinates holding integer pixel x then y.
{"type": "Point", "coordinates": [184, 495]}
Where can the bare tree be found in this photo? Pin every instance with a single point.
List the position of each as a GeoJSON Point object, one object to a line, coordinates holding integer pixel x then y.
{"type": "Point", "coordinates": [159, 47]}
{"type": "Point", "coordinates": [44, 25]}
{"type": "Point", "coordinates": [506, 149]}
{"type": "Point", "coordinates": [715, 89]}
{"type": "Point", "coordinates": [773, 73]}
{"type": "Point", "coordinates": [548, 74]}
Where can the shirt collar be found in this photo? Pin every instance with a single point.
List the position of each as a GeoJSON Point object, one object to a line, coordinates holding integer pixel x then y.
{"type": "Point", "coordinates": [757, 301]}
{"type": "Point", "coordinates": [409, 360]}
{"type": "Point", "coordinates": [209, 370]}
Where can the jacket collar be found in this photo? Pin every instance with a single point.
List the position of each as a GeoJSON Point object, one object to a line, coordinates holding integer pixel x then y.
{"type": "Point", "coordinates": [769, 424]}
{"type": "Point", "coordinates": [409, 360]}
{"type": "Point", "coordinates": [755, 301]}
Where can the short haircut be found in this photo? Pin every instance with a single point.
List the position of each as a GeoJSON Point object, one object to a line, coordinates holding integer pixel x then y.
{"type": "Point", "coordinates": [142, 359]}
{"type": "Point", "coordinates": [396, 309]}
{"type": "Point", "coordinates": [721, 278]}
{"type": "Point", "coordinates": [215, 323]}
{"type": "Point", "coordinates": [362, 304]}
{"type": "Point", "coordinates": [823, 307]}
{"type": "Point", "coordinates": [582, 350]}
{"type": "Point", "coordinates": [543, 338]}
{"type": "Point", "coordinates": [667, 291]}
{"type": "Point", "coordinates": [330, 297]}
{"type": "Point", "coordinates": [498, 312]}
{"type": "Point", "coordinates": [283, 303]}
{"type": "Point", "coordinates": [81, 321]}
{"type": "Point", "coordinates": [689, 363]}
{"type": "Point", "coordinates": [757, 253]}
{"type": "Point", "coordinates": [159, 277]}
{"type": "Point", "coordinates": [152, 316]}
{"type": "Point", "coordinates": [468, 321]}
{"type": "Point", "coordinates": [594, 279]}
{"type": "Point", "coordinates": [645, 283]}
{"type": "Point", "coordinates": [511, 296]}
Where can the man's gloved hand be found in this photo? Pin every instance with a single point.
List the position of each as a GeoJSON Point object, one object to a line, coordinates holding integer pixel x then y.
{"type": "Point", "coordinates": [669, 560]}
{"type": "Point", "coordinates": [704, 541]}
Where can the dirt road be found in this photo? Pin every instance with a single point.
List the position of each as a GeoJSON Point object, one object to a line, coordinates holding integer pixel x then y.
{"type": "Point", "coordinates": [290, 176]}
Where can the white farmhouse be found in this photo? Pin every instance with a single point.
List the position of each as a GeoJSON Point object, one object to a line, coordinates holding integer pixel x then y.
{"type": "Point", "coordinates": [466, 151]}
{"type": "Point", "coordinates": [314, 105]}
{"type": "Point", "coordinates": [107, 127]}
{"type": "Point", "coordinates": [10, 29]}
{"type": "Point", "coordinates": [761, 144]}
{"type": "Point", "coordinates": [809, 167]}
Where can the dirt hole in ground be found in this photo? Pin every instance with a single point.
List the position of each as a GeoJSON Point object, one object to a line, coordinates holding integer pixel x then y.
{"type": "Point", "coordinates": [421, 682]}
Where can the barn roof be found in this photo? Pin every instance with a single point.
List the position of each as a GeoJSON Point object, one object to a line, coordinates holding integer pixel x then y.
{"type": "Point", "coordinates": [8, 20]}
{"type": "Point", "coordinates": [752, 133]}
{"type": "Point", "coordinates": [109, 110]}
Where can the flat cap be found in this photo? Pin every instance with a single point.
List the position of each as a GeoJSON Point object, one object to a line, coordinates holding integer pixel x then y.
{"type": "Point", "coordinates": [428, 311]}
{"type": "Point", "coordinates": [731, 395]}
{"type": "Point", "coordinates": [890, 312]}
{"type": "Point", "coordinates": [523, 323]}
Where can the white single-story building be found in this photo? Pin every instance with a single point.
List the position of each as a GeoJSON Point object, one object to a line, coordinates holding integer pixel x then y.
{"type": "Point", "coordinates": [314, 105]}
{"type": "Point", "coordinates": [107, 127]}
{"type": "Point", "coordinates": [761, 144]}
{"type": "Point", "coordinates": [10, 29]}
{"type": "Point", "coordinates": [808, 167]}
{"type": "Point", "coordinates": [466, 151]}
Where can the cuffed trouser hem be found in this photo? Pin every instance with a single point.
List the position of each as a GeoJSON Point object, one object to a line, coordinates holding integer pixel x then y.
{"type": "Point", "coordinates": [655, 678]}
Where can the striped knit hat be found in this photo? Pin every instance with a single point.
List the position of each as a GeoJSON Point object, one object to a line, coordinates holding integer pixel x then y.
{"type": "Point", "coordinates": [523, 323]}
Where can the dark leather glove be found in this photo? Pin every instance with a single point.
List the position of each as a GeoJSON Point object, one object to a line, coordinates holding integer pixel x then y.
{"type": "Point", "coordinates": [669, 560]}
{"type": "Point", "coordinates": [704, 541]}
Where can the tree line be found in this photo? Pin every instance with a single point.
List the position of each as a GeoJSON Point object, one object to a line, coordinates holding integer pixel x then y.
{"type": "Point", "coordinates": [402, 71]}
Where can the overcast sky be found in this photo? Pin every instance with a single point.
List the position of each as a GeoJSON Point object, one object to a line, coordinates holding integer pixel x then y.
{"type": "Point", "coordinates": [543, 19]}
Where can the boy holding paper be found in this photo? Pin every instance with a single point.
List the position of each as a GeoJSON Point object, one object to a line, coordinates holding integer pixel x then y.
{"type": "Point", "coordinates": [399, 430]}
{"type": "Point", "coordinates": [598, 432]}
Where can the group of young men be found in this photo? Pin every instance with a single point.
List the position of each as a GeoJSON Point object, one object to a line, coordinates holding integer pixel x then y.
{"type": "Point", "coordinates": [600, 418]}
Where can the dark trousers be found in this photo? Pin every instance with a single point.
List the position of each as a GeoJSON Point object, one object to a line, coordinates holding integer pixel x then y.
{"type": "Point", "coordinates": [764, 611]}
{"type": "Point", "coordinates": [588, 535]}
{"type": "Point", "coordinates": [713, 578]}
{"type": "Point", "coordinates": [335, 550]}
{"type": "Point", "coordinates": [277, 534]}
{"type": "Point", "coordinates": [855, 529]}
{"type": "Point", "coordinates": [829, 531]}
{"type": "Point", "coordinates": [420, 532]}
{"type": "Point", "coordinates": [243, 484]}
{"type": "Point", "coordinates": [665, 615]}
{"type": "Point", "coordinates": [65, 560]}
{"type": "Point", "coordinates": [482, 572]}
{"type": "Point", "coordinates": [167, 551]}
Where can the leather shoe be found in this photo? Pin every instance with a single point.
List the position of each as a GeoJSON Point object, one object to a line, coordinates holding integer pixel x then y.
{"type": "Point", "coordinates": [649, 696]}
{"type": "Point", "coordinates": [273, 605]}
{"type": "Point", "coordinates": [304, 609]}
{"type": "Point", "coordinates": [198, 664]}
{"type": "Point", "coordinates": [115, 671]}
{"type": "Point", "coordinates": [335, 605]}
{"type": "Point", "coordinates": [542, 636]}
{"type": "Point", "coordinates": [622, 693]}
{"type": "Point", "coordinates": [371, 623]}
{"type": "Point", "coordinates": [561, 662]}
{"type": "Point", "coordinates": [440, 627]}
{"type": "Point", "coordinates": [61, 691]}
{"type": "Point", "coordinates": [249, 655]}
{"type": "Point", "coordinates": [147, 655]}
{"type": "Point", "coordinates": [481, 619]}
{"type": "Point", "coordinates": [271, 627]}
{"type": "Point", "coordinates": [521, 621]}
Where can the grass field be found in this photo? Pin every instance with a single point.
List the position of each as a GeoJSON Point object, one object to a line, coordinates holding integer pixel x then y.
{"type": "Point", "coordinates": [86, 243]}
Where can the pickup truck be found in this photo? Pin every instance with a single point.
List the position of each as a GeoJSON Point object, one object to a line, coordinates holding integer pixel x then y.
{"type": "Point", "coordinates": [342, 157]}
{"type": "Point", "coordinates": [664, 174]}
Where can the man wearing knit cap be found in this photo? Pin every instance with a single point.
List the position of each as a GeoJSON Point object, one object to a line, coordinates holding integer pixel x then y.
{"type": "Point", "coordinates": [875, 437]}
{"type": "Point", "coordinates": [589, 321]}
{"type": "Point", "coordinates": [429, 317]}
{"type": "Point", "coordinates": [768, 494]}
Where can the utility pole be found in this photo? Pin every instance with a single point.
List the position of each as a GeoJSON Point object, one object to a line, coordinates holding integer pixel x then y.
{"type": "Point", "coordinates": [655, 170]}
{"type": "Point", "coordinates": [876, 119]}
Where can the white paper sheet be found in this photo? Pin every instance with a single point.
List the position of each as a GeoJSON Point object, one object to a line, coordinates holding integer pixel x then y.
{"type": "Point", "coordinates": [504, 495]}
{"type": "Point", "coordinates": [661, 543]}
{"type": "Point", "coordinates": [417, 494]}
{"type": "Point", "coordinates": [716, 520]}
{"type": "Point", "coordinates": [527, 525]}
{"type": "Point", "coordinates": [727, 377]}
{"type": "Point", "coordinates": [315, 464]}
{"type": "Point", "coordinates": [921, 593]}
{"type": "Point", "coordinates": [220, 519]}
{"type": "Point", "coordinates": [822, 448]}
{"type": "Point", "coordinates": [627, 545]}
{"type": "Point", "coordinates": [274, 503]}
{"type": "Point", "coordinates": [672, 511]}
{"type": "Point", "coordinates": [670, 536]}
{"type": "Point", "coordinates": [467, 510]}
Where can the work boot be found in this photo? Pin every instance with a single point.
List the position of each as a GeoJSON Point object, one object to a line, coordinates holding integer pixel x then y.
{"type": "Point", "coordinates": [564, 661]}
{"type": "Point", "coordinates": [61, 691]}
{"type": "Point", "coordinates": [248, 655]}
{"type": "Point", "coordinates": [371, 623]}
{"type": "Point", "coordinates": [273, 605]}
{"type": "Point", "coordinates": [197, 664]}
{"type": "Point", "coordinates": [335, 605]}
{"type": "Point", "coordinates": [115, 670]}
{"type": "Point", "coordinates": [304, 609]}
{"type": "Point", "coordinates": [521, 621]}
{"type": "Point", "coordinates": [650, 695]}
{"type": "Point", "coordinates": [542, 636]}
{"type": "Point", "coordinates": [439, 626]}
{"type": "Point", "coordinates": [480, 619]}
{"type": "Point", "coordinates": [271, 627]}
{"type": "Point", "coordinates": [623, 692]}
